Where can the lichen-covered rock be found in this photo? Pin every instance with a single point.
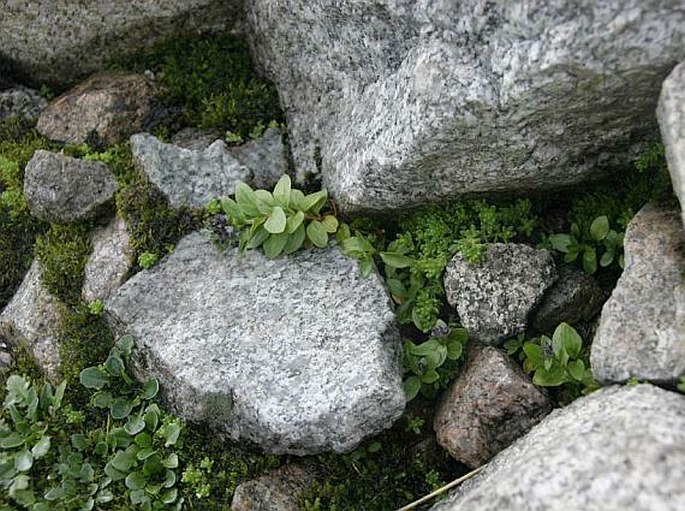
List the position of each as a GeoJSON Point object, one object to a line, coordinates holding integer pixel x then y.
{"type": "Point", "coordinates": [110, 261]}
{"type": "Point", "coordinates": [490, 405]}
{"type": "Point", "coordinates": [59, 188]}
{"type": "Point", "coordinates": [400, 102]}
{"type": "Point", "coordinates": [19, 101]}
{"type": "Point", "coordinates": [276, 491]}
{"type": "Point", "coordinates": [61, 41]}
{"type": "Point", "coordinates": [265, 157]}
{"type": "Point", "coordinates": [299, 354]}
{"type": "Point", "coordinates": [641, 332]}
{"type": "Point", "coordinates": [494, 297]}
{"type": "Point", "coordinates": [32, 320]}
{"type": "Point", "coordinates": [105, 109]}
{"type": "Point", "coordinates": [576, 297]}
{"type": "Point", "coordinates": [618, 448]}
{"type": "Point", "coordinates": [187, 177]}
{"type": "Point", "coordinates": [671, 115]}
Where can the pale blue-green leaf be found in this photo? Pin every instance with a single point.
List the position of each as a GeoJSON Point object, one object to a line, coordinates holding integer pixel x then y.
{"type": "Point", "coordinates": [282, 191]}
{"type": "Point", "coordinates": [93, 378]}
{"type": "Point", "coordinates": [274, 245]}
{"type": "Point", "coordinates": [23, 461]}
{"type": "Point", "coordinates": [150, 389]}
{"type": "Point", "coordinates": [412, 386]}
{"type": "Point", "coordinates": [599, 228]}
{"type": "Point", "coordinates": [294, 222]}
{"type": "Point", "coordinates": [330, 223]}
{"type": "Point", "coordinates": [246, 199]}
{"type": "Point", "coordinates": [295, 240]}
{"type": "Point", "coordinates": [41, 448]}
{"type": "Point", "coordinates": [317, 234]}
{"type": "Point", "coordinates": [277, 220]}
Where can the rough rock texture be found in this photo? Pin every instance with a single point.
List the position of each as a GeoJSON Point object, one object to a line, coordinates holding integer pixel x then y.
{"type": "Point", "coordinates": [398, 102]}
{"type": "Point", "coordinates": [490, 405]}
{"type": "Point", "coordinates": [105, 109]}
{"type": "Point", "coordinates": [299, 355]}
{"type": "Point", "coordinates": [576, 297]}
{"type": "Point", "coordinates": [641, 333]}
{"type": "Point", "coordinates": [61, 41]}
{"type": "Point", "coordinates": [671, 114]}
{"type": "Point", "coordinates": [275, 491]}
{"type": "Point", "coordinates": [265, 157]}
{"type": "Point", "coordinates": [32, 320]}
{"type": "Point", "coordinates": [110, 261]}
{"type": "Point", "coordinates": [195, 139]}
{"type": "Point", "coordinates": [618, 448]}
{"type": "Point", "coordinates": [59, 188]}
{"type": "Point", "coordinates": [20, 101]}
{"type": "Point", "coordinates": [184, 176]}
{"type": "Point", "coordinates": [494, 297]}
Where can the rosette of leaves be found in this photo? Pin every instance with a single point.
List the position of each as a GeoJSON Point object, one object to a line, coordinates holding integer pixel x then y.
{"type": "Point", "coordinates": [600, 244]}
{"type": "Point", "coordinates": [281, 221]}
{"type": "Point", "coordinates": [431, 365]}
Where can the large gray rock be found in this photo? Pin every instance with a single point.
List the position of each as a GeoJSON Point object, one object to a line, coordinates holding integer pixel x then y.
{"type": "Point", "coordinates": [400, 102]}
{"type": "Point", "coordinates": [671, 114]}
{"type": "Point", "coordinates": [60, 188]}
{"type": "Point", "coordinates": [490, 405]}
{"type": "Point", "coordinates": [618, 448]}
{"type": "Point", "coordinates": [61, 41]}
{"type": "Point", "coordinates": [299, 355]}
{"type": "Point", "coordinates": [187, 177]}
{"type": "Point", "coordinates": [495, 296]}
{"type": "Point", "coordinates": [20, 101]}
{"type": "Point", "coordinates": [641, 332]}
{"type": "Point", "coordinates": [32, 320]}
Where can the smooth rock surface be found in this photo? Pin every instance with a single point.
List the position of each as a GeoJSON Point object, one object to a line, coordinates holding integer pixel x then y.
{"type": "Point", "coordinates": [576, 297]}
{"type": "Point", "coordinates": [103, 110]}
{"type": "Point", "coordinates": [641, 332]}
{"type": "Point", "coordinates": [32, 320]}
{"type": "Point", "coordinates": [60, 188]}
{"type": "Point", "coordinates": [275, 491]}
{"type": "Point", "coordinates": [491, 404]}
{"type": "Point", "coordinates": [671, 115]}
{"type": "Point", "coordinates": [109, 262]}
{"type": "Point", "coordinates": [265, 157]}
{"type": "Point", "coordinates": [19, 101]}
{"type": "Point", "coordinates": [299, 355]}
{"type": "Point", "coordinates": [61, 41]}
{"type": "Point", "coordinates": [401, 102]}
{"type": "Point", "coordinates": [618, 448]}
{"type": "Point", "coordinates": [187, 177]}
{"type": "Point", "coordinates": [494, 297]}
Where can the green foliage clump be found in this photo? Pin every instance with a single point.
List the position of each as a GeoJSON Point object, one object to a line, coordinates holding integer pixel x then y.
{"type": "Point", "coordinates": [278, 222]}
{"type": "Point", "coordinates": [211, 79]}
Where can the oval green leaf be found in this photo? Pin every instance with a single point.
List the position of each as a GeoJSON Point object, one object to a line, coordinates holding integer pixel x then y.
{"type": "Point", "coordinates": [150, 389]}
{"type": "Point", "coordinates": [282, 191]}
{"type": "Point", "coordinates": [93, 378]}
{"type": "Point", "coordinates": [317, 234]}
{"type": "Point", "coordinates": [396, 260]}
{"type": "Point", "coordinates": [120, 408]}
{"type": "Point", "coordinates": [135, 481]}
{"type": "Point", "coordinates": [276, 222]}
{"type": "Point", "coordinates": [599, 228]}
{"type": "Point", "coordinates": [412, 386]}
{"type": "Point", "coordinates": [330, 223]}
{"type": "Point", "coordinates": [23, 461]}
{"type": "Point", "coordinates": [295, 240]}
{"type": "Point", "coordinates": [274, 245]}
{"type": "Point", "coordinates": [294, 222]}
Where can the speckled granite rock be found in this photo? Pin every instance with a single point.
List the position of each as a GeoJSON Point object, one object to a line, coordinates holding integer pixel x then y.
{"type": "Point", "coordinates": [575, 297]}
{"type": "Point", "coordinates": [641, 333]}
{"type": "Point", "coordinates": [32, 319]}
{"type": "Point", "coordinates": [494, 297]}
{"type": "Point", "coordinates": [401, 102]}
{"type": "Point", "coordinates": [275, 491]}
{"type": "Point", "coordinates": [671, 115]}
{"type": "Point", "coordinates": [491, 404]}
{"type": "Point", "coordinates": [618, 448]}
{"type": "Point", "coordinates": [61, 41]}
{"type": "Point", "coordinates": [59, 188]}
{"type": "Point", "coordinates": [19, 101]}
{"type": "Point", "coordinates": [187, 177]}
{"type": "Point", "coordinates": [110, 261]}
{"type": "Point", "coordinates": [265, 157]}
{"type": "Point", "coordinates": [103, 110]}
{"type": "Point", "coordinates": [298, 355]}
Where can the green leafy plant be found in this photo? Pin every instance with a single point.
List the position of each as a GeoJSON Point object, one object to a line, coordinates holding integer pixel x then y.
{"type": "Point", "coordinates": [147, 260]}
{"type": "Point", "coordinates": [431, 365]}
{"type": "Point", "coordinates": [600, 244]}
{"type": "Point", "coordinates": [281, 221]}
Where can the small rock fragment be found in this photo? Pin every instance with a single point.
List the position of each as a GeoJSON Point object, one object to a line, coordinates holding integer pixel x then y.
{"type": "Point", "coordinates": [275, 491]}
{"type": "Point", "coordinates": [19, 101]}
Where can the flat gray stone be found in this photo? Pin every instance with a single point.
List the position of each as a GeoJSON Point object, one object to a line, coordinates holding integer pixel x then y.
{"type": "Point", "coordinates": [618, 448]}
{"type": "Point", "coordinates": [671, 115]}
{"type": "Point", "coordinates": [398, 103]}
{"type": "Point", "coordinates": [61, 41]}
{"type": "Point", "coordinates": [32, 320]}
{"type": "Point", "coordinates": [60, 188]}
{"type": "Point", "coordinates": [187, 177]}
{"type": "Point", "coordinates": [299, 355]}
{"type": "Point", "coordinates": [491, 404]}
{"type": "Point", "coordinates": [494, 297]}
{"type": "Point", "coordinates": [641, 332]}
{"type": "Point", "coordinates": [21, 101]}
{"type": "Point", "coordinates": [109, 262]}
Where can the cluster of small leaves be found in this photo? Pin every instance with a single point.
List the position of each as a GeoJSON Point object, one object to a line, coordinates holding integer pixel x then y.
{"type": "Point", "coordinates": [279, 222]}
{"type": "Point", "coordinates": [431, 365]}
{"type": "Point", "coordinates": [554, 362]}
{"type": "Point", "coordinates": [600, 243]}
